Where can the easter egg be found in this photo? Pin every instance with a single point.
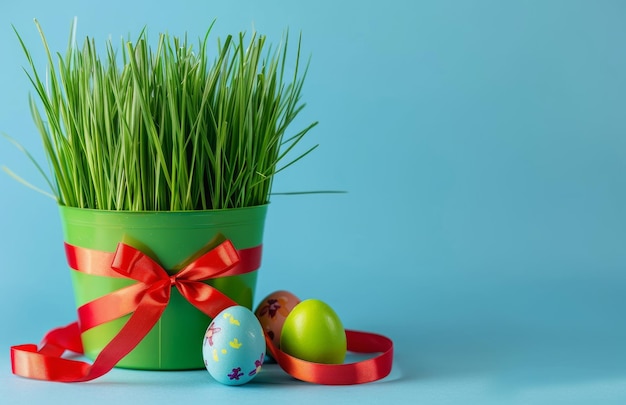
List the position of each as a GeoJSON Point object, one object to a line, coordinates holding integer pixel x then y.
{"type": "Point", "coordinates": [272, 312]}
{"type": "Point", "coordinates": [313, 332]}
{"type": "Point", "coordinates": [234, 346]}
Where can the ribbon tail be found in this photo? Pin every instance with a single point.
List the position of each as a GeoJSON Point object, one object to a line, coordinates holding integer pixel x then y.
{"type": "Point", "coordinates": [144, 318]}
{"type": "Point", "coordinates": [59, 340]}
{"type": "Point", "coordinates": [28, 362]}
{"type": "Point", "coordinates": [47, 363]}
{"type": "Point", "coordinates": [364, 371]}
{"type": "Point", "coordinates": [111, 306]}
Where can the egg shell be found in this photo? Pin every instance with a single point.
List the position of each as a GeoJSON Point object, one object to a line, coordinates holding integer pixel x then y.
{"type": "Point", "coordinates": [234, 346]}
{"type": "Point", "coordinates": [314, 332]}
{"type": "Point", "coordinates": [272, 312]}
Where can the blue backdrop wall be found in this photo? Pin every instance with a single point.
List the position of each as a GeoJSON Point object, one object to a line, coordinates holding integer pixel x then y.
{"type": "Point", "coordinates": [482, 147]}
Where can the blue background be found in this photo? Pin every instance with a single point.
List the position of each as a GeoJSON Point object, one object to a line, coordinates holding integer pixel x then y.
{"type": "Point", "coordinates": [482, 145]}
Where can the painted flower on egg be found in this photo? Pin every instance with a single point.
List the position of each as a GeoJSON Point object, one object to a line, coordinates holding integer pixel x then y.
{"type": "Point", "coordinates": [274, 305]}
{"type": "Point", "coordinates": [272, 312]}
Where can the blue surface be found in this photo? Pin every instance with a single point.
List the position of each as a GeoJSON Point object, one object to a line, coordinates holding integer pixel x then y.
{"type": "Point", "coordinates": [482, 145]}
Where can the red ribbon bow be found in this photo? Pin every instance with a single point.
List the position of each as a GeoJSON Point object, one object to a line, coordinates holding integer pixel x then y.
{"type": "Point", "coordinates": [147, 300]}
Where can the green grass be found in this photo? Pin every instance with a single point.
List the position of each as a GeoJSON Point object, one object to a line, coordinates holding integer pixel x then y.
{"type": "Point", "coordinates": [168, 128]}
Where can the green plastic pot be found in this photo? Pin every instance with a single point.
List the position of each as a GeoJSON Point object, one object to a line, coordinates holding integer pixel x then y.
{"type": "Point", "coordinates": [175, 342]}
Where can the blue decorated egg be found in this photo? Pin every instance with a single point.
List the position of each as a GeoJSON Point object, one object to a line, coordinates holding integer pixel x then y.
{"type": "Point", "coordinates": [234, 346]}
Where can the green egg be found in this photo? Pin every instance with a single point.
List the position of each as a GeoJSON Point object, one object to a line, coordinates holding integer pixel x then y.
{"type": "Point", "coordinates": [313, 332]}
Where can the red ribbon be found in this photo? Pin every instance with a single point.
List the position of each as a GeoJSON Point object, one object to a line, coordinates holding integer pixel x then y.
{"type": "Point", "coordinates": [147, 299]}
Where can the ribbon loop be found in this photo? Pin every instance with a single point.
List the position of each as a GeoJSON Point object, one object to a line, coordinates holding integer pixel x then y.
{"type": "Point", "coordinates": [134, 264]}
